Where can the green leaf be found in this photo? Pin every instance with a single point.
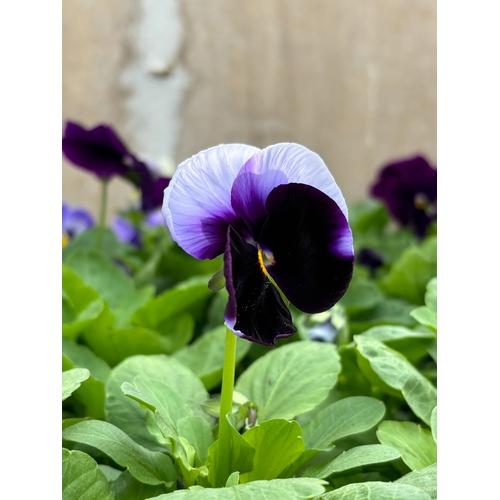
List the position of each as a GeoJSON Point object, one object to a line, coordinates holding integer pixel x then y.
{"type": "Point", "coordinates": [110, 246]}
{"type": "Point", "coordinates": [413, 344]}
{"type": "Point", "coordinates": [82, 479]}
{"type": "Point", "coordinates": [425, 479]}
{"type": "Point", "coordinates": [116, 345]}
{"type": "Point", "coordinates": [233, 479]}
{"type": "Point", "coordinates": [205, 356]}
{"type": "Point", "coordinates": [343, 418]}
{"type": "Point", "coordinates": [177, 331]}
{"type": "Point", "coordinates": [111, 283]}
{"type": "Point", "coordinates": [414, 443]}
{"type": "Point", "coordinates": [127, 414]}
{"type": "Point", "coordinates": [425, 317]}
{"type": "Point", "coordinates": [197, 431]}
{"type": "Point", "coordinates": [127, 487]}
{"type": "Point", "coordinates": [431, 295]}
{"type": "Point", "coordinates": [352, 458]}
{"type": "Point", "coordinates": [146, 466]}
{"type": "Point", "coordinates": [240, 459]}
{"type": "Point", "coordinates": [278, 443]}
{"type": "Point", "coordinates": [302, 488]}
{"type": "Point", "coordinates": [72, 379]}
{"type": "Point", "coordinates": [190, 296]}
{"type": "Point", "coordinates": [392, 369]}
{"type": "Point", "coordinates": [367, 215]}
{"type": "Point", "coordinates": [291, 379]}
{"type": "Point", "coordinates": [81, 305]}
{"type": "Point", "coordinates": [409, 275]}
{"type": "Point", "coordinates": [362, 294]}
{"type": "Point", "coordinates": [91, 392]}
{"type": "Point", "coordinates": [434, 423]}
{"type": "Point", "coordinates": [375, 490]}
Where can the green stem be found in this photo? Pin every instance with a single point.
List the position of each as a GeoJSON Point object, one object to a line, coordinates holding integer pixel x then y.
{"type": "Point", "coordinates": [102, 213]}
{"type": "Point", "coordinates": [226, 406]}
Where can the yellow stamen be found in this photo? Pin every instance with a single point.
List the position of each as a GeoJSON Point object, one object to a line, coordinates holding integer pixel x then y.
{"type": "Point", "coordinates": [261, 261]}
{"type": "Point", "coordinates": [65, 240]}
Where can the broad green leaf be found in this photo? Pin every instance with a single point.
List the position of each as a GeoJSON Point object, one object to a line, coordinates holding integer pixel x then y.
{"type": "Point", "coordinates": [434, 424]}
{"type": "Point", "coordinates": [300, 488]}
{"type": "Point", "coordinates": [205, 356]}
{"type": "Point", "coordinates": [177, 331]}
{"type": "Point", "coordinates": [424, 479]}
{"type": "Point", "coordinates": [91, 392]}
{"type": "Point", "coordinates": [376, 490]}
{"type": "Point", "coordinates": [362, 294]}
{"type": "Point", "coordinates": [116, 345]}
{"type": "Point", "coordinates": [146, 466]}
{"type": "Point", "coordinates": [127, 487]}
{"type": "Point", "coordinates": [278, 443]}
{"type": "Point", "coordinates": [233, 479]}
{"type": "Point", "coordinates": [354, 457]}
{"type": "Point", "coordinates": [367, 215]}
{"type": "Point", "coordinates": [127, 414]}
{"type": "Point", "coordinates": [82, 357]}
{"type": "Point", "coordinates": [431, 295]}
{"type": "Point", "coordinates": [111, 283]}
{"type": "Point", "coordinates": [414, 443]}
{"type": "Point", "coordinates": [72, 379]}
{"type": "Point", "coordinates": [198, 433]}
{"type": "Point", "coordinates": [240, 459]}
{"type": "Point", "coordinates": [190, 296]}
{"type": "Point", "coordinates": [399, 374]}
{"type": "Point", "coordinates": [343, 418]}
{"type": "Point", "coordinates": [409, 275]}
{"type": "Point", "coordinates": [291, 379]}
{"type": "Point", "coordinates": [81, 304]}
{"type": "Point", "coordinates": [390, 311]}
{"type": "Point", "coordinates": [110, 246]}
{"type": "Point", "coordinates": [425, 317]}
{"type": "Point", "coordinates": [82, 479]}
{"type": "Point", "coordinates": [413, 344]}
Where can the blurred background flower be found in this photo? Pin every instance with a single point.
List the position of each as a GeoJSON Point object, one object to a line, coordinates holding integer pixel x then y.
{"type": "Point", "coordinates": [75, 221]}
{"type": "Point", "coordinates": [408, 188]}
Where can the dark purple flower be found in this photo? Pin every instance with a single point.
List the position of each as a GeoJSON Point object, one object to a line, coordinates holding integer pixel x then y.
{"type": "Point", "coordinates": [370, 259]}
{"type": "Point", "coordinates": [278, 217]}
{"type": "Point", "coordinates": [409, 190]}
{"type": "Point", "coordinates": [102, 152]}
{"type": "Point", "coordinates": [125, 231]}
{"type": "Point", "coordinates": [98, 150]}
{"type": "Point", "coordinates": [75, 221]}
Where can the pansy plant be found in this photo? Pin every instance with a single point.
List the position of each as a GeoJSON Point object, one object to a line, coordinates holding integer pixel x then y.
{"type": "Point", "coordinates": [280, 221]}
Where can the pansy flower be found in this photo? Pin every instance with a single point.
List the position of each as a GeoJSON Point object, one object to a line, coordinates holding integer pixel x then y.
{"type": "Point", "coordinates": [99, 150]}
{"type": "Point", "coordinates": [126, 231]}
{"type": "Point", "coordinates": [280, 221]}
{"type": "Point", "coordinates": [409, 190]}
{"type": "Point", "coordinates": [74, 221]}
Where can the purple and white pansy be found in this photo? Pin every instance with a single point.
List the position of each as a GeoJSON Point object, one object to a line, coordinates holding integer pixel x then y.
{"type": "Point", "coordinates": [279, 219]}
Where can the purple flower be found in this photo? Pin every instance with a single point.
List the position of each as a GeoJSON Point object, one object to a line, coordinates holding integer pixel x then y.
{"type": "Point", "coordinates": [98, 150]}
{"type": "Point", "coordinates": [409, 190]}
{"type": "Point", "coordinates": [125, 231]}
{"type": "Point", "coordinates": [102, 152]}
{"type": "Point", "coordinates": [75, 221]}
{"type": "Point", "coordinates": [369, 259]}
{"type": "Point", "coordinates": [278, 217]}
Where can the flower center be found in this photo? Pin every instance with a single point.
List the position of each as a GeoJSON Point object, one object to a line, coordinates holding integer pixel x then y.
{"type": "Point", "coordinates": [266, 258]}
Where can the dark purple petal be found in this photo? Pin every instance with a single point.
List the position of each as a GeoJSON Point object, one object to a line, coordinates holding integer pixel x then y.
{"type": "Point", "coordinates": [409, 190]}
{"type": "Point", "coordinates": [275, 165]}
{"type": "Point", "coordinates": [98, 150]}
{"type": "Point", "coordinates": [255, 310]}
{"type": "Point", "coordinates": [161, 183]}
{"type": "Point", "coordinates": [311, 245]}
